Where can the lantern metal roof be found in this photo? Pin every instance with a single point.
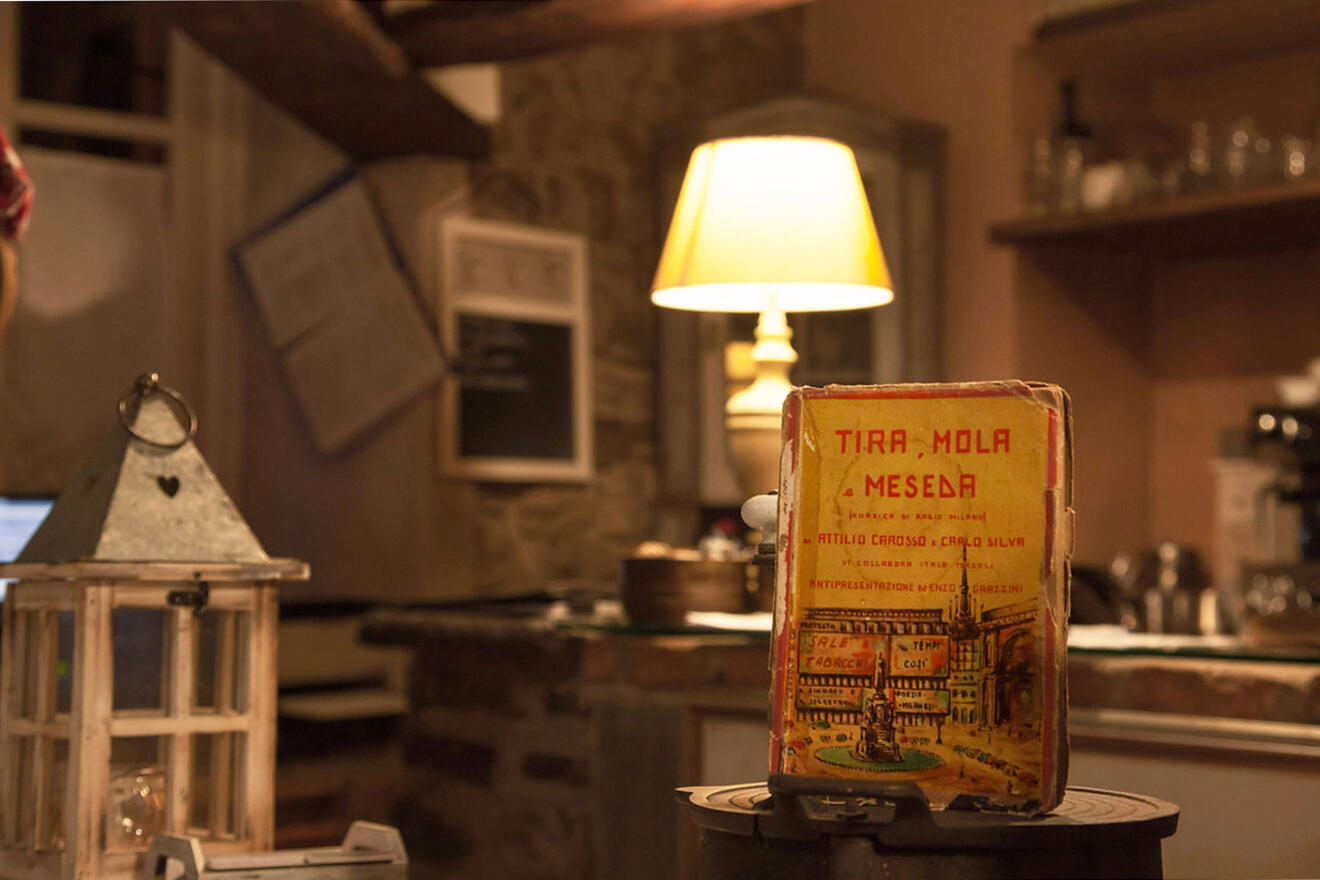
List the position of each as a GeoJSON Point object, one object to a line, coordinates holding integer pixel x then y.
{"type": "Point", "coordinates": [146, 494]}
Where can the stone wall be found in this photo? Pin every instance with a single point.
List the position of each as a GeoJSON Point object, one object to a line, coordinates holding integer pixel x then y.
{"type": "Point", "coordinates": [541, 755]}
{"type": "Point", "coordinates": [574, 151]}
{"type": "Point", "coordinates": [544, 753]}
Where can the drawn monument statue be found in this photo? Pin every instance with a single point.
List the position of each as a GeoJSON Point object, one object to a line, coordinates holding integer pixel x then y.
{"type": "Point", "coordinates": [875, 741]}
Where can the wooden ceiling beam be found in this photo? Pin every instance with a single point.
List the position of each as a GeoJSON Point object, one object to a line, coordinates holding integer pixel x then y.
{"type": "Point", "coordinates": [455, 32]}
{"type": "Point", "coordinates": [327, 63]}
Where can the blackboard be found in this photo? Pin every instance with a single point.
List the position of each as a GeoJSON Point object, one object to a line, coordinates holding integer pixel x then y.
{"type": "Point", "coordinates": [515, 388]}
{"type": "Point", "coordinates": [513, 317]}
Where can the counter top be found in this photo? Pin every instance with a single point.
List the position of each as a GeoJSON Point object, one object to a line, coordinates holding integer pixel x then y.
{"type": "Point", "coordinates": [1214, 679]}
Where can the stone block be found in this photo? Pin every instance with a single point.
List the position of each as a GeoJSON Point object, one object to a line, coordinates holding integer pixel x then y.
{"type": "Point", "coordinates": [431, 841]}
{"type": "Point", "coordinates": [498, 835]}
{"type": "Point", "coordinates": [1094, 684]}
{"type": "Point", "coordinates": [485, 672]}
{"type": "Point", "coordinates": [599, 659]}
{"type": "Point", "coordinates": [624, 392]}
{"type": "Point", "coordinates": [556, 768]}
{"type": "Point", "coordinates": [566, 700]}
{"type": "Point", "coordinates": [450, 757]}
{"type": "Point", "coordinates": [666, 663]}
{"type": "Point", "coordinates": [745, 665]}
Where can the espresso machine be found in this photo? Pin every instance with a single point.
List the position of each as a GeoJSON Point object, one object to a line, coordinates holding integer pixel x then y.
{"type": "Point", "coordinates": [1291, 437]}
{"type": "Point", "coordinates": [1281, 597]}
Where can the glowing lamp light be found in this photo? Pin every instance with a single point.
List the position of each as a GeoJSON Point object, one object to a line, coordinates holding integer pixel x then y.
{"type": "Point", "coordinates": [770, 225]}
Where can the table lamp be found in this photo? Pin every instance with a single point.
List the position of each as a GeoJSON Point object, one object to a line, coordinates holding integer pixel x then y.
{"type": "Point", "coordinates": [770, 225]}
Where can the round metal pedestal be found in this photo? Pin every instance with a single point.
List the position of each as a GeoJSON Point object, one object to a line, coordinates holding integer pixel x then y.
{"type": "Point", "coordinates": [874, 832]}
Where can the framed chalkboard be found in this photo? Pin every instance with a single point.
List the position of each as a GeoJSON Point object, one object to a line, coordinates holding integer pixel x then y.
{"type": "Point", "coordinates": [516, 405]}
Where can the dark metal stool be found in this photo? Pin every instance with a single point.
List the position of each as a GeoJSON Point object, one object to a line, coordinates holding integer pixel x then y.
{"type": "Point", "coordinates": [837, 829]}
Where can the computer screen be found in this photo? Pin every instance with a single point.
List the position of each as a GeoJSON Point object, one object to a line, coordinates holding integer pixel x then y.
{"type": "Point", "coordinates": [19, 518]}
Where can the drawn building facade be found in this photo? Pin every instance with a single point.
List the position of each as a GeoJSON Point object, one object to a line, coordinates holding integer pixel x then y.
{"type": "Point", "coordinates": [975, 667]}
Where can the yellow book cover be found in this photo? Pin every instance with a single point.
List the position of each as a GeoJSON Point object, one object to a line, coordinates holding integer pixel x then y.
{"type": "Point", "coordinates": [922, 584]}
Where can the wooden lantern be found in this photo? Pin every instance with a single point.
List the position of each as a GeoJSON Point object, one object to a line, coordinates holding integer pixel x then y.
{"type": "Point", "coordinates": [137, 674]}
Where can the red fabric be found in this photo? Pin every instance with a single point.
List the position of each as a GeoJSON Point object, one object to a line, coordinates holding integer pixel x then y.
{"type": "Point", "coordinates": [15, 193]}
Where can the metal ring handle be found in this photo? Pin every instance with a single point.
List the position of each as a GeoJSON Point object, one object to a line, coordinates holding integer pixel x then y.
{"type": "Point", "coordinates": [146, 385]}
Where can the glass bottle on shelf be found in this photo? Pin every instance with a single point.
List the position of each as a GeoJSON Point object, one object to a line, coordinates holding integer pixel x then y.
{"type": "Point", "coordinates": [1040, 177]}
{"type": "Point", "coordinates": [1263, 166]}
{"type": "Point", "coordinates": [1200, 159]}
{"type": "Point", "coordinates": [1296, 162]}
{"type": "Point", "coordinates": [1239, 152]}
{"type": "Point", "coordinates": [1073, 148]}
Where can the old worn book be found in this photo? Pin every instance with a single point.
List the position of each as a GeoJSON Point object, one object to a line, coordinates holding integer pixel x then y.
{"type": "Point", "coordinates": [922, 589]}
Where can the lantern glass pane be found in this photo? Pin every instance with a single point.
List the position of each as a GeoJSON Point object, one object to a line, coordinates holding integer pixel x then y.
{"type": "Point", "coordinates": [222, 643]}
{"type": "Point", "coordinates": [218, 761]}
{"type": "Point", "coordinates": [64, 664]}
{"type": "Point", "coordinates": [28, 633]}
{"type": "Point", "coordinates": [141, 660]}
{"type": "Point", "coordinates": [137, 801]}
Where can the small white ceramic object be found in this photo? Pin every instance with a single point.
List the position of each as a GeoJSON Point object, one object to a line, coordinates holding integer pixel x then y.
{"type": "Point", "coordinates": [1298, 390]}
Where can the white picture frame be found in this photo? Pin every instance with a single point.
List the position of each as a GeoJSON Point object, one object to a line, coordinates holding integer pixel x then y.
{"type": "Point", "coordinates": [514, 323]}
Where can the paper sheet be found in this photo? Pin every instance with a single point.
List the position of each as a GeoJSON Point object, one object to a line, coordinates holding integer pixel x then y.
{"type": "Point", "coordinates": [352, 340]}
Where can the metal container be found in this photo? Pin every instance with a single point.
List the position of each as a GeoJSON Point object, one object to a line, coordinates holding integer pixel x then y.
{"type": "Point", "coordinates": [838, 829]}
{"type": "Point", "coordinates": [662, 590]}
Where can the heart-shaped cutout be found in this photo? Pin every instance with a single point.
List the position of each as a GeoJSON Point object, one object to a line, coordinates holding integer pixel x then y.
{"type": "Point", "coordinates": [168, 485]}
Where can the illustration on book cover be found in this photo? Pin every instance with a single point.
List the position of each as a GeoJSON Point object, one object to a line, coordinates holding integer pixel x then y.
{"type": "Point", "coordinates": [922, 591]}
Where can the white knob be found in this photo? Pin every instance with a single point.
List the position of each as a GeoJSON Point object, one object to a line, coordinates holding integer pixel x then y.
{"type": "Point", "coordinates": [761, 512]}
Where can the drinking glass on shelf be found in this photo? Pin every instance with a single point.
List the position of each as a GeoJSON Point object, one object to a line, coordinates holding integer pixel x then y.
{"type": "Point", "coordinates": [1174, 179]}
{"type": "Point", "coordinates": [1240, 152]}
{"type": "Point", "coordinates": [1262, 166]}
{"type": "Point", "coordinates": [1199, 173]}
{"type": "Point", "coordinates": [1296, 161]}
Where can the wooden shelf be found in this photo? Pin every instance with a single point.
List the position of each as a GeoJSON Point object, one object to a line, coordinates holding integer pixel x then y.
{"type": "Point", "coordinates": [1159, 36]}
{"type": "Point", "coordinates": [1263, 218]}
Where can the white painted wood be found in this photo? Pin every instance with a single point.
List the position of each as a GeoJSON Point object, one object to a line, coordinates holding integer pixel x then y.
{"type": "Point", "coordinates": [178, 762]}
{"type": "Point", "coordinates": [257, 791]}
{"type": "Point", "coordinates": [225, 597]}
{"type": "Point", "coordinates": [224, 748]}
{"type": "Point", "coordinates": [569, 307]}
{"type": "Point", "coordinates": [271, 569]}
{"type": "Point", "coordinates": [57, 596]}
{"type": "Point", "coordinates": [43, 753]}
{"type": "Point", "coordinates": [89, 747]}
{"type": "Point", "coordinates": [11, 670]}
{"type": "Point", "coordinates": [72, 119]}
{"type": "Point", "coordinates": [28, 727]}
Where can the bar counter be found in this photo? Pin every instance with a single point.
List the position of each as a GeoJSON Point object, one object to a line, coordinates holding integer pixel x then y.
{"type": "Point", "coordinates": [577, 727]}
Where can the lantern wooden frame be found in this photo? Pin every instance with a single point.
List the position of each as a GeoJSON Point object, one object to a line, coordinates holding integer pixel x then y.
{"type": "Point", "coordinates": [31, 725]}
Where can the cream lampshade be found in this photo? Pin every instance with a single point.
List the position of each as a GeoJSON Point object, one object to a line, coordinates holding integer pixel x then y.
{"type": "Point", "coordinates": [770, 225]}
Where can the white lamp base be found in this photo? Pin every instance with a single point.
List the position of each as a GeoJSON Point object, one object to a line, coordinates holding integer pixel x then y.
{"type": "Point", "coordinates": [752, 416]}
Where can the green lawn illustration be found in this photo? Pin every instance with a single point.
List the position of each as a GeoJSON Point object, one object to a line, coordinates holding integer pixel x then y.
{"type": "Point", "coordinates": [842, 756]}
